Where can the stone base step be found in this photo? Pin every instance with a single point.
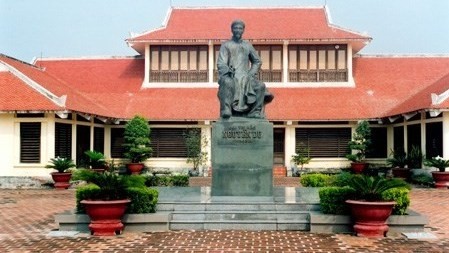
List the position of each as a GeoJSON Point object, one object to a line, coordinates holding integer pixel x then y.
{"type": "Point", "coordinates": [254, 225]}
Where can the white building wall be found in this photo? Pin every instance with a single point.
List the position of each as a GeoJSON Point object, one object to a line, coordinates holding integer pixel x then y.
{"type": "Point", "coordinates": [7, 144]}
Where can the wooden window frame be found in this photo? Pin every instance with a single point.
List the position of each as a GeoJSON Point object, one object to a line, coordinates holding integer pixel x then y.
{"type": "Point", "coordinates": [333, 139]}
{"type": "Point", "coordinates": [63, 140]}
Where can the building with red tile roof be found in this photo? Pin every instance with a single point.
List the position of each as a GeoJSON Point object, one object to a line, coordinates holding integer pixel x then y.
{"type": "Point", "coordinates": [321, 84]}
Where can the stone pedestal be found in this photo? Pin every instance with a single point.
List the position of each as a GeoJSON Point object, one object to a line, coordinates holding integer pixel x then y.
{"type": "Point", "coordinates": [242, 158]}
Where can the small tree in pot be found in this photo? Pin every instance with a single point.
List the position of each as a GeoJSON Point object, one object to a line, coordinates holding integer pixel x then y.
{"type": "Point", "coordinates": [62, 177]}
{"type": "Point", "coordinates": [441, 177]}
{"type": "Point", "coordinates": [361, 140]}
{"type": "Point", "coordinates": [96, 161]}
{"type": "Point", "coordinates": [136, 144]}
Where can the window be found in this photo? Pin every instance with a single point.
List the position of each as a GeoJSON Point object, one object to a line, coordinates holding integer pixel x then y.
{"type": "Point", "coordinates": [117, 140]}
{"type": "Point", "coordinates": [271, 56]}
{"type": "Point", "coordinates": [324, 142]}
{"type": "Point", "coordinates": [434, 139]}
{"type": "Point", "coordinates": [99, 139]}
{"type": "Point", "coordinates": [63, 140]}
{"type": "Point", "coordinates": [398, 138]}
{"type": "Point", "coordinates": [168, 142]}
{"type": "Point", "coordinates": [179, 64]}
{"type": "Point", "coordinates": [30, 142]}
{"type": "Point", "coordinates": [413, 136]}
{"type": "Point", "coordinates": [317, 63]}
{"type": "Point", "coordinates": [378, 147]}
{"type": "Point", "coordinates": [278, 146]}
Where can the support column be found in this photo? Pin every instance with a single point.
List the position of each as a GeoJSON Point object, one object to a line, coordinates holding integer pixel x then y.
{"type": "Point", "coordinates": [211, 62]}
{"type": "Point", "coordinates": [290, 145]}
{"type": "Point", "coordinates": [446, 135]}
{"type": "Point", "coordinates": [390, 139]}
{"type": "Point", "coordinates": [285, 62]}
{"type": "Point", "coordinates": [146, 78]}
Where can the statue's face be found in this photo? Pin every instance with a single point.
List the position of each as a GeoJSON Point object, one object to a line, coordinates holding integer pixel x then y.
{"type": "Point", "coordinates": [237, 31]}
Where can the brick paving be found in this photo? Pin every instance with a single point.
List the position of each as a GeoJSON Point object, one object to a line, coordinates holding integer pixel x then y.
{"type": "Point", "coordinates": [26, 218]}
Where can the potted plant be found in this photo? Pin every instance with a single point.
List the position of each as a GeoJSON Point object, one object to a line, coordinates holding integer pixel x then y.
{"type": "Point", "coordinates": [107, 197]}
{"type": "Point", "coordinates": [361, 140]}
{"type": "Point", "coordinates": [399, 164]}
{"type": "Point", "coordinates": [62, 177]}
{"type": "Point", "coordinates": [368, 209]}
{"type": "Point", "coordinates": [301, 157]}
{"type": "Point", "coordinates": [441, 177]}
{"type": "Point", "coordinates": [136, 143]}
{"type": "Point", "coordinates": [96, 160]}
{"type": "Point", "coordinates": [195, 144]}
{"type": "Point", "coordinates": [415, 158]}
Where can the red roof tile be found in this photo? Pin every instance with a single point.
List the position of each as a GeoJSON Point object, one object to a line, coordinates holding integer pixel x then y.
{"type": "Point", "coordinates": [263, 24]}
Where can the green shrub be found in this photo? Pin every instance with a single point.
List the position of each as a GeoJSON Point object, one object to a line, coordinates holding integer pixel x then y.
{"type": "Point", "coordinates": [341, 179]}
{"type": "Point", "coordinates": [402, 198]}
{"type": "Point", "coordinates": [135, 181]}
{"type": "Point", "coordinates": [180, 180]}
{"type": "Point", "coordinates": [315, 180]}
{"type": "Point", "coordinates": [169, 180]}
{"type": "Point", "coordinates": [86, 192]}
{"type": "Point", "coordinates": [332, 199]}
{"type": "Point", "coordinates": [143, 200]}
{"type": "Point", "coordinates": [422, 179]}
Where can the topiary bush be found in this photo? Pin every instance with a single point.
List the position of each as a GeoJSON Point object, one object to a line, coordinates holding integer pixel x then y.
{"type": "Point", "coordinates": [402, 198]}
{"type": "Point", "coordinates": [332, 199]}
{"type": "Point", "coordinates": [315, 180]}
{"type": "Point", "coordinates": [85, 192]}
{"type": "Point", "coordinates": [143, 200]}
{"type": "Point", "coordinates": [341, 179]}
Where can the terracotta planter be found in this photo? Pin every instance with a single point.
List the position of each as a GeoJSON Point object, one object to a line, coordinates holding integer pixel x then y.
{"type": "Point", "coordinates": [358, 167]}
{"type": "Point", "coordinates": [135, 168]}
{"type": "Point", "coordinates": [441, 179]}
{"type": "Point", "coordinates": [105, 216]}
{"type": "Point", "coordinates": [401, 172]}
{"type": "Point", "coordinates": [62, 180]}
{"type": "Point", "coordinates": [370, 217]}
{"type": "Point", "coordinates": [279, 171]}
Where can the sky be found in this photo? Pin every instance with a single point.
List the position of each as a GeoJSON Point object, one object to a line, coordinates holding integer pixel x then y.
{"type": "Point", "coordinates": [76, 28]}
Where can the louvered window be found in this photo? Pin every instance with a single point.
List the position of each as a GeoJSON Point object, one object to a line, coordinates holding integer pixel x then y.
{"type": "Point", "coordinates": [117, 141]}
{"type": "Point", "coordinates": [30, 142]}
{"type": "Point", "coordinates": [63, 140]}
{"type": "Point", "coordinates": [99, 139]}
{"type": "Point", "coordinates": [324, 142]}
{"type": "Point", "coordinates": [168, 142]}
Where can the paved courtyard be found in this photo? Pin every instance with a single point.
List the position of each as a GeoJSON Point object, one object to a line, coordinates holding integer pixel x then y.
{"type": "Point", "coordinates": [26, 222]}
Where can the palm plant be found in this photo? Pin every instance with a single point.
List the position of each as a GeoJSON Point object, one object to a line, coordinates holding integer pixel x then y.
{"type": "Point", "coordinates": [437, 162]}
{"type": "Point", "coordinates": [61, 164]}
{"type": "Point", "coordinates": [96, 159]}
{"type": "Point", "coordinates": [371, 188]}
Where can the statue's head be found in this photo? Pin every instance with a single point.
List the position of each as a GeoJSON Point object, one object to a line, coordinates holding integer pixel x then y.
{"type": "Point", "coordinates": [237, 27]}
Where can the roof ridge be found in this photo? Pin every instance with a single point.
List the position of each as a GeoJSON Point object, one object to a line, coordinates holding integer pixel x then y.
{"type": "Point", "coordinates": [388, 55]}
{"type": "Point", "coordinates": [81, 58]}
{"type": "Point", "coordinates": [247, 7]}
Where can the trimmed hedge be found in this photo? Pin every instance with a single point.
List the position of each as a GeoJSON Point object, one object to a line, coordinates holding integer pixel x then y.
{"type": "Point", "coordinates": [85, 192]}
{"type": "Point", "coordinates": [167, 180]}
{"type": "Point", "coordinates": [332, 199]}
{"type": "Point", "coordinates": [402, 198]}
{"type": "Point", "coordinates": [143, 200]}
{"type": "Point", "coordinates": [315, 180]}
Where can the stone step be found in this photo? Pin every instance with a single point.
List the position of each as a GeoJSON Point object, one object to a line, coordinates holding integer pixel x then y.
{"type": "Point", "coordinates": [172, 207]}
{"type": "Point", "coordinates": [253, 225]}
{"type": "Point", "coordinates": [240, 216]}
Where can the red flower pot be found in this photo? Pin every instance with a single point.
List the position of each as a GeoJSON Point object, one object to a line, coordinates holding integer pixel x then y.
{"type": "Point", "coordinates": [135, 168]}
{"type": "Point", "coordinates": [401, 172]}
{"type": "Point", "coordinates": [358, 167]}
{"type": "Point", "coordinates": [370, 217]}
{"type": "Point", "coordinates": [62, 179]}
{"type": "Point", "coordinates": [441, 179]}
{"type": "Point", "coordinates": [105, 216]}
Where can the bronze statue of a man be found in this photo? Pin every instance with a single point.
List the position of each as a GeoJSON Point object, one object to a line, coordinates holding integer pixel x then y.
{"type": "Point", "coordinates": [240, 92]}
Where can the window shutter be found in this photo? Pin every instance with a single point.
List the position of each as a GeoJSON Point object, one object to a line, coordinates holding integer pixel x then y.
{"type": "Point", "coordinates": [63, 140]}
{"type": "Point", "coordinates": [324, 142]}
{"type": "Point", "coordinates": [99, 139]}
{"type": "Point", "coordinates": [168, 142]}
{"type": "Point", "coordinates": [117, 140]}
{"type": "Point", "coordinates": [30, 142]}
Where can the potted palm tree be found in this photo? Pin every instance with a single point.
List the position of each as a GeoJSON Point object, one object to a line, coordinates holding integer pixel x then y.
{"type": "Point", "coordinates": [96, 160]}
{"type": "Point", "coordinates": [399, 164]}
{"type": "Point", "coordinates": [441, 177]}
{"type": "Point", "coordinates": [63, 175]}
{"type": "Point", "coordinates": [361, 140]}
{"type": "Point", "coordinates": [136, 144]}
{"type": "Point", "coordinates": [108, 196]}
{"type": "Point", "coordinates": [368, 209]}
